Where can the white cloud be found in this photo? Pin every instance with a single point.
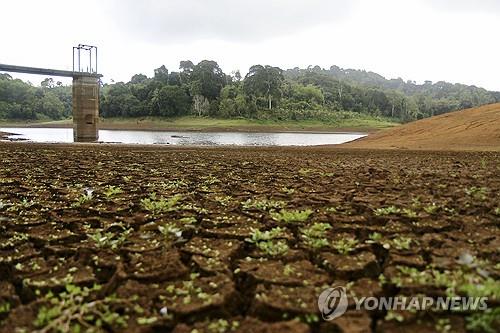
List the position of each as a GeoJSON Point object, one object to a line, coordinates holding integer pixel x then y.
{"type": "Point", "coordinates": [417, 40]}
{"type": "Point", "coordinates": [178, 21]}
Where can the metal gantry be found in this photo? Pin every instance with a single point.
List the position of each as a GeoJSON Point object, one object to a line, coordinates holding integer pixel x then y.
{"type": "Point", "coordinates": [77, 58]}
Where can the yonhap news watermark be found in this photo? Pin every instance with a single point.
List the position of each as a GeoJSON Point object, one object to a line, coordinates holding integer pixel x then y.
{"type": "Point", "coordinates": [333, 303]}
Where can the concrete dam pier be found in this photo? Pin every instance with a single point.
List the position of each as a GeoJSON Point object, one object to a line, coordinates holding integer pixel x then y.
{"type": "Point", "coordinates": [85, 108]}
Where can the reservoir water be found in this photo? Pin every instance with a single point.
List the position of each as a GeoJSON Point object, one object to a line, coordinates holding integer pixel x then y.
{"type": "Point", "coordinates": [65, 135]}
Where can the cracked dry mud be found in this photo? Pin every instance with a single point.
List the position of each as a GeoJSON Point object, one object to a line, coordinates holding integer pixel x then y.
{"type": "Point", "coordinates": [146, 239]}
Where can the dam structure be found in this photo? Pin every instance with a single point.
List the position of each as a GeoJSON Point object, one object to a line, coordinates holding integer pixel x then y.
{"type": "Point", "coordinates": [85, 90]}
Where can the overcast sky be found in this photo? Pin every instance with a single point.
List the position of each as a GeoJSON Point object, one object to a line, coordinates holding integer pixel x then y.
{"type": "Point", "coordinates": [450, 40]}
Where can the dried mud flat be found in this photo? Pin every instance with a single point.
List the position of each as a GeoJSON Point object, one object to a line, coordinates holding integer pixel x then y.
{"type": "Point", "coordinates": [144, 239]}
{"type": "Point", "coordinates": [476, 129]}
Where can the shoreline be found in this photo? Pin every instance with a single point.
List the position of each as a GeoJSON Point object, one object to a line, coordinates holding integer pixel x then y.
{"type": "Point", "coordinates": [210, 126]}
{"type": "Point", "coordinates": [145, 147]}
{"type": "Point", "coordinates": [5, 135]}
{"type": "Point", "coordinates": [364, 131]}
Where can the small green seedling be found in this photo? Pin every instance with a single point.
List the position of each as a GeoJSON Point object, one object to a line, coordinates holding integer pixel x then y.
{"type": "Point", "coordinates": [402, 243]}
{"type": "Point", "coordinates": [160, 205]}
{"type": "Point", "coordinates": [314, 235]}
{"type": "Point", "coordinates": [112, 191]}
{"type": "Point", "coordinates": [263, 204]}
{"type": "Point", "coordinates": [478, 193]}
{"type": "Point", "coordinates": [267, 243]}
{"type": "Point", "coordinates": [76, 310]}
{"type": "Point", "coordinates": [431, 209]}
{"type": "Point", "coordinates": [170, 231]}
{"type": "Point", "coordinates": [287, 190]}
{"type": "Point", "coordinates": [387, 211]}
{"type": "Point", "coordinates": [259, 236]}
{"type": "Point", "coordinates": [374, 237]}
{"type": "Point", "coordinates": [345, 245]}
{"type": "Point", "coordinates": [273, 248]}
{"type": "Point", "coordinates": [289, 216]}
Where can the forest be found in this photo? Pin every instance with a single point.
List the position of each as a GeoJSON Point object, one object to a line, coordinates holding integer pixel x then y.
{"type": "Point", "coordinates": [265, 92]}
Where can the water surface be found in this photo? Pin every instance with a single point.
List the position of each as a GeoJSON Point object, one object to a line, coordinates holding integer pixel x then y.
{"type": "Point", "coordinates": [65, 135]}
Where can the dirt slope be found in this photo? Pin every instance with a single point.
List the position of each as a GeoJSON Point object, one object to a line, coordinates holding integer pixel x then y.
{"type": "Point", "coordinates": [470, 129]}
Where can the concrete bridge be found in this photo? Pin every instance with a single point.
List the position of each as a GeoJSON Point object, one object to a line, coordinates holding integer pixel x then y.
{"type": "Point", "coordinates": [85, 93]}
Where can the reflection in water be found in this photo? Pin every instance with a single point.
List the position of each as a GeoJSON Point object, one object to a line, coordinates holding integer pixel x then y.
{"type": "Point", "coordinates": [188, 138]}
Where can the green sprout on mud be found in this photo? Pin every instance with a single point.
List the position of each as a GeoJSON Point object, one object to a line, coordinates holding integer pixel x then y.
{"type": "Point", "coordinates": [402, 243]}
{"type": "Point", "coordinates": [416, 203]}
{"type": "Point", "coordinates": [16, 239]}
{"type": "Point", "coordinates": [23, 204]}
{"type": "Point", "coordinates": [190, 291]}
{"type": "Point", "coordinates": [443, 325]}
{"type": "Point", "coordinates": [345, 245]}
{"type": "Point", "coordinates": [289, 216]}
{"type": "Point", "coordinates": [484, 164]}
{"type": "Point", "coordinates": [308, 318]}
{"type": "Point", "coordinates": [259, 236]}
{"type": "Point", "coordinates": [409, 213]}
{"type": "Point", "coordinates": [221, 326]}
{"type": "Point", "coordinates": [26, 204]}
{"type": "Point", "coordinates": [85, 197]}
{"type": "Point", "coordinates": [170, 231]}
{"type": "Point", "coordinates": [73, 310]}
{"type": "Point", "coordinates": [109, 239]}
{"type": "Point", "coordinates": [210, 180]}
{"type": "Point", "coordinates": [331, 210]}
{"type": "Point", "coordinates": [305, 171]}
{"type": "Point", "coordinates": [4, 308]}
{"type": "Point", "coordinates": [147, 320]}
{"type": "Point", "coordinates": [263, 204]}
{"type": "Point", "coordinates": [456, 282]}
{"type": "Point", "coordinates": [431, 209]}
{"type": "Point", "coordinates": [314, 235]}
{"type": "Point", "coordinates": [478, 193]}
{"type": "Point", "coordinates": [450, 211]}
{"type": "Point", "coordinates": [387, 211]}
{"type": "Point", "coordinates": [188, 220]}
{"type": "Point", "coordinates": [288, 270]}
{"type": "Point", "coordinates": [174, 184]}
{"type": "Point", "coordinates": [267, 243]}
{"type": "Point", "coordinates": [497, 211]}
{"type": "Point", "coordinates": [112, 191]}
{"type": "Point", "coordinates": [287, 190]}
{"type": "Point", "coordinates": [273, 248]}
{"type": "Point", "coordinates": [375, 236]}
{"type": "Point", "coordinates": [393, 315]}
{"type": "Point", "coordinates": [223, 200]}
{"type": "Point", "coordinates": [488, 287]}
{"type": "Point", "coordinates": [486, 321]}
{"type": "Point", "coordinates": [160, 205]}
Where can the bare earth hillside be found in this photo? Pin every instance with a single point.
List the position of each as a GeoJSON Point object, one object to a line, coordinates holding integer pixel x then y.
{"type": "Point", "coordinates": [470, 129]}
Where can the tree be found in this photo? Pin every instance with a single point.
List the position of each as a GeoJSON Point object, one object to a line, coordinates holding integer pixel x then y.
{"type": "Point", "coordinates": [264, 81]}
{"type": "Point", "coordinates": [186, 67]}
{"type": "Point", "coordinates": [141, 78]}
{"type": "Point", "coordinates": [236, 76]}
{"type": "Point", "coordinates": [47, 83]}
{"type": "Point", "coordinates": [208, 79]}
{"type": "Point", "coordinates": [161, 74]}
{"type": "Point", "coordinates": [172, 101]}
{"type": "Point", "coordinates": [49, 106]}
{"type": "Point", "coordinates": [174, 79]}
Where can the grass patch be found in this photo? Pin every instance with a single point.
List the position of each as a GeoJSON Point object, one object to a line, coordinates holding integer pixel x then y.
{"type": "Point", "coordinates": [360, 123]}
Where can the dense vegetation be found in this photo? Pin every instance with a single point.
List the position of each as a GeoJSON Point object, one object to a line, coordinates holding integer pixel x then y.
{"type": "Point", "coordinates": [266, 92]}
{"type": "Point", "coordinates": [21, 100]}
